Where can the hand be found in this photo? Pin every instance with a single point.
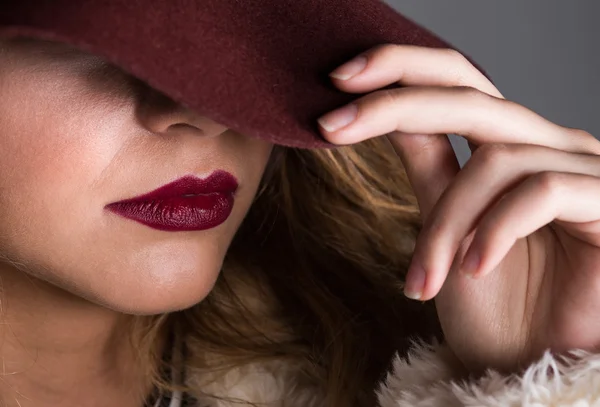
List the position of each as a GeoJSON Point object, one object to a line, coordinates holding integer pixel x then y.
{"type": "Point", "coordinates": [525, 209]}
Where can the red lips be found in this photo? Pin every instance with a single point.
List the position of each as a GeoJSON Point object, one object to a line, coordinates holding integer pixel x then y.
{"type": "Point", "coordinates": [189, 203]}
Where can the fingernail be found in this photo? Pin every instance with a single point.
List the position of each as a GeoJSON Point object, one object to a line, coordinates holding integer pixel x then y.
{"type": "Point", "coordinates": [350, 69]}
{"type": "Point", "coordinates": [470, 263]}
{"type": "Point", "coordinates": [339, 118]}
{"type": "Point", "coordinates": [415, 282]}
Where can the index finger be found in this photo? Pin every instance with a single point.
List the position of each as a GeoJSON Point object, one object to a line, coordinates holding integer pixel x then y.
{"type": "Point", "coordinates": [429, 160]}
{"type": "Point", "coordinates": [412, 65]}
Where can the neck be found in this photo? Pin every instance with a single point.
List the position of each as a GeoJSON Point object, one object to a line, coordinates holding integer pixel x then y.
{"type": "Point", "coordinates": [58, 349]}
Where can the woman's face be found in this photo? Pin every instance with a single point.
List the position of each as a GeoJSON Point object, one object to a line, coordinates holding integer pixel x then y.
{"type": "Point", "coordinates": [77, 134]}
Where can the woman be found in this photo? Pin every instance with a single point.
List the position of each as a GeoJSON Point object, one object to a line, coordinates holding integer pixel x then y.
{"type": "Point", "coordinates": [153, 255]}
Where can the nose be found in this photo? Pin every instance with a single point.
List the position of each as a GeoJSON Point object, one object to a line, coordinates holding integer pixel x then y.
{"type": "Point", "coordinates": [162, 115]}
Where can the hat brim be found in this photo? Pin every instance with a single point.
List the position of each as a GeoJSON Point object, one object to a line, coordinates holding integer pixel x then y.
{"type": "Point", "coordinates": [258, 67]}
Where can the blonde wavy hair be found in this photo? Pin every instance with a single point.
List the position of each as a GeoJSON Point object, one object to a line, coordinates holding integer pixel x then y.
{"type": "Point", "coordinates": [313, 277]}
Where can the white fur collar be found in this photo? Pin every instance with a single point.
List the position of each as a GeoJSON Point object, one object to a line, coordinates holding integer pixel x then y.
{"type": "Point", "coordinates": [426, 378]}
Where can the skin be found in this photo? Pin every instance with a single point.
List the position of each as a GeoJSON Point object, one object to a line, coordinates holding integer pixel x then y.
{"type": "Point", "coordinates": [75, 135]}
{"type": "Point", "coordinates": [525, 205]}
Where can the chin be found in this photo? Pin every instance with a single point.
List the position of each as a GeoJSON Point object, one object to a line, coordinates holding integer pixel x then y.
{"type": "Point", "coordinates": [152, 304]}
{"type": "Point", "coordinates": [148, 299]}
{"type": "Point", "coordinates": [162, 283]}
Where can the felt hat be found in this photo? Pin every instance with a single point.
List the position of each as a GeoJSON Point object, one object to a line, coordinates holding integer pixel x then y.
{"type": "Point", "coordinates": [259, 67]}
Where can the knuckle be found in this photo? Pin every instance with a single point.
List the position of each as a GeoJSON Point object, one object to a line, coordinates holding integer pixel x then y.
{"type": "Point", "coordinates": [464, 68]}
{"type": "Point", "coordinates": [471, 94]}
{"type": "Point", "coordinates": [378, 100]}
{"type": "Point", "coordinates": [388, 96]}
{"type": "Point", "coordinates": [437, 227]}
{"type": "Point", "coordinates": [549, 183]}
{"type": "Point", "coordinates": [493, 156]}
{"type": "Point", "coordinates": [383, 50]}
{"type": "Point", "coordinates": [589, 143]}
{"type": "Point", "coordinates": [456, 56]}
{"type": "Point", "coordinates": [581, 134]}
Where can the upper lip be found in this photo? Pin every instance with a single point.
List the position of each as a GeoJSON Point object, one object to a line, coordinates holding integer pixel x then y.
{"type": "Point", "coordinates": [218, 182]}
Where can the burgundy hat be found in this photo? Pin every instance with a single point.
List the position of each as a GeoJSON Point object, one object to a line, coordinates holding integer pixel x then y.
{"type": "Point", "coordinates": [259, 67]}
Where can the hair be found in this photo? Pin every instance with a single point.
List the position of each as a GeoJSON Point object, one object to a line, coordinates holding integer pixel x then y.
{"type": "Point", "coordinates": [312, 280]}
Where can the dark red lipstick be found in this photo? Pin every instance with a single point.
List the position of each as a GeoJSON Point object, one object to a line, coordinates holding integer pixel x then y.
{"type": "Point", "coordinates": [189, 203]}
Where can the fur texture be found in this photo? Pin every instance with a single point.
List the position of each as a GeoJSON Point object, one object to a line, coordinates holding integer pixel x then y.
{"type": "Point", "coordinates": [428, 377]}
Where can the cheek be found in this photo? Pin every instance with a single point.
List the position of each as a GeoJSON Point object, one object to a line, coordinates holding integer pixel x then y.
{"type": "Point", "coordinates": [52, 154]}
{"type": "Point", "coordinates": [54, 150]}
{"type": "Point", "coordinates": [250, 156]}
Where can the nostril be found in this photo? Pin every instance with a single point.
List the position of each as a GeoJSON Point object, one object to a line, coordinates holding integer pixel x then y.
{"type": "Point", "coordinates": [182, 125]}
{"type": "Point", "coordinates": [176, 127]}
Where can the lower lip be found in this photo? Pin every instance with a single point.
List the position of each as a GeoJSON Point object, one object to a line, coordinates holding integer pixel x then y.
{"type": "Point", "coordinates": [198, 212]}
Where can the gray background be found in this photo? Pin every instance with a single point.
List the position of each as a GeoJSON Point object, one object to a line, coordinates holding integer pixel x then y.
{"type": "Point", "coordinates": [543, 54]}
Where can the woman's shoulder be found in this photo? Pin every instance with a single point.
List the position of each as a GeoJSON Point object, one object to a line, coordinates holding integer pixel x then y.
{"type": "Point", "coordinates": [427, 377]}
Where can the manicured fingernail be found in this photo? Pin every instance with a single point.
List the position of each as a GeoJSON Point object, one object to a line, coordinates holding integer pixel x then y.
{"type": "Point", "coordinates": [415, 282]}
{"type": "Point", "coordinates": [339, 118]}
{"type": "Point", "coordinates": [350, 69]}
{"type": "Point", "coordinates": [470, 263]}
